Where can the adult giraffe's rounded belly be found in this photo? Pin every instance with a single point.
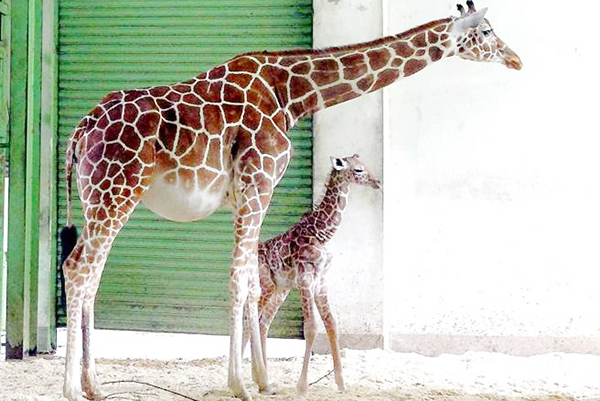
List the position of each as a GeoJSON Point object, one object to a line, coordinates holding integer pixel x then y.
{"type": "Point", "coordinates": [177, 203]}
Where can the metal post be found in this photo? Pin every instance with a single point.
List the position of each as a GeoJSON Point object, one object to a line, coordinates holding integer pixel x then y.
{"type": "Point", "coordinates": [32, 183]}
{"type": "Point", "coordinates": [46, 340]}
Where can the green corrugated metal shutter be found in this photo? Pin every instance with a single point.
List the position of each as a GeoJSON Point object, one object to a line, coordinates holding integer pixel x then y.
{"type": "Point", "coordinates": [162, 275]}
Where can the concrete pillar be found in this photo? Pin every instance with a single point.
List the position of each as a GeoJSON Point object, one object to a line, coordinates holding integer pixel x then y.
{"type": "Point", "coordinates": [356, 275]}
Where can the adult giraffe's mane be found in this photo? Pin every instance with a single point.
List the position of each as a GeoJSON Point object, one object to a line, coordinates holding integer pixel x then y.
{"type": "Point", "coordinates": [356, 46]}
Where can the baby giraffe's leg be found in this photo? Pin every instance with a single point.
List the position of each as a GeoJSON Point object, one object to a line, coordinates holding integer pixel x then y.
{"type": "Point", "coordinates": [322, 303]}
{"type": "Point", "coordinates": [267, 312]}
{"type": "Point", "coordinates": [305, 287]}
{"type": "Point", "coordinates": [246, 329]}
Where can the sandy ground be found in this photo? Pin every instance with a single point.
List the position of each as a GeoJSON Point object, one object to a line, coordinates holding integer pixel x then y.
{"type": "Point", "coordinates": [370, 375]}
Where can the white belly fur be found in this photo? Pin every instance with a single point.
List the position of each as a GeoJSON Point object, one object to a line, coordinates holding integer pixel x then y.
{"type": "Point", "coordinates": [179, 204]}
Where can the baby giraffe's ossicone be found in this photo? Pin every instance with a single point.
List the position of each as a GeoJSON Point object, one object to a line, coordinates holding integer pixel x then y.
{"type": "Point", "coordinates": [298, 258]}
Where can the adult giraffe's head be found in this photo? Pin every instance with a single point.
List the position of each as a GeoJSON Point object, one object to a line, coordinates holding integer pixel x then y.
{"type": "Point", "coordinates": [477, 41]}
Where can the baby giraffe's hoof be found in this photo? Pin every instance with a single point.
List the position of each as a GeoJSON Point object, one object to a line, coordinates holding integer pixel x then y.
{"type": "Point", "coordinates": [340, 385]}
{"type": "Point", "coordinates": [302, 389]}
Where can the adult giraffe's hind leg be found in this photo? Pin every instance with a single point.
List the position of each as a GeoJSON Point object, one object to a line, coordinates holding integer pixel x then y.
{"type": "Point", "coordinates": [83, 270]}
{"type": "Point", "coordinates": [107, 207]}
{"type": "Point", "coordinates": [72, 388]}
{"type": "Point", "coordinates": [89, 381]}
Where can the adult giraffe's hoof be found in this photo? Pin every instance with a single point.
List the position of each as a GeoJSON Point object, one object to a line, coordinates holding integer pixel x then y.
{"type": "Point", "coordinates": [74, 395]}
{"type": "Point", "coordinates": [243, 394]}
{"type": "Point", "coordinates": [94, 395]}
{"type": "Point", "coordinates": [92, 389]}
{"type": "Point", "coordinates": [269, 390]}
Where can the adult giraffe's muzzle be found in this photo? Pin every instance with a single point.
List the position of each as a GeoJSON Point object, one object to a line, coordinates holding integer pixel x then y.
{"type": "Point", "coordinates": [511, 60]}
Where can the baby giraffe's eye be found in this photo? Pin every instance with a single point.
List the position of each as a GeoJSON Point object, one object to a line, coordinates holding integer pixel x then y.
{"type": "Point", "coordinates": [487, 32]}
{"type": "Point", "coordinates": [358, 170]}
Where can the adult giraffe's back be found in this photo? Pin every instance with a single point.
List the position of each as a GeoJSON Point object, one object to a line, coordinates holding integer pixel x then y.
{"type": "Point", "coordinates": [185, 149]}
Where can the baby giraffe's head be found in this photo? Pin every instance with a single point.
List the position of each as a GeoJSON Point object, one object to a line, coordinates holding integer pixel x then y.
{"type": "Point", "coordinates": [353, 170]}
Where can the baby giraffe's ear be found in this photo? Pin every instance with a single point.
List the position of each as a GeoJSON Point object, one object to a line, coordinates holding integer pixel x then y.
{"type": "Point", "coordinates": [338, 163]}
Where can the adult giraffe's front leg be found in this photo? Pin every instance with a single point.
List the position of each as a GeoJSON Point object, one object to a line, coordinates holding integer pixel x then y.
{"type": "Point", "coordinates": [253, 193]}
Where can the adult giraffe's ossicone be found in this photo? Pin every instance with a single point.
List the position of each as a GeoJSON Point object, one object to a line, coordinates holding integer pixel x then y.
{"type": "Point", "coordinates": [185, 149]}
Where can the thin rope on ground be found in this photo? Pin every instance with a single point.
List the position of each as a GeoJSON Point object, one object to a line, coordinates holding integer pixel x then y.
{"type": "Point", "coordinates": [322, 377]}
{"type": "Point", "coordinates": [128, 395]}
{"type": "Point", "coordinates": [151, 385]}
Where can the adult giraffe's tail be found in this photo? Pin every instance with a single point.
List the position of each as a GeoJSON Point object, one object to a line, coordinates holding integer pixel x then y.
{"type": "Point", "coordinates": [68, 234]}
{"type": "Point", "coordinates": [69, 164]}
{"type": "Point", "coordinates": [70, 161]}
{"type": "Point", "coordinates": [68, 240]}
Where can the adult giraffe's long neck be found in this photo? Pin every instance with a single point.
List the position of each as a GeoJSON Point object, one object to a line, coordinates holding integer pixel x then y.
{"type": "Point", "coordinates": [327, 216]}
{"type": "Point", "coordinates": [310, 80]}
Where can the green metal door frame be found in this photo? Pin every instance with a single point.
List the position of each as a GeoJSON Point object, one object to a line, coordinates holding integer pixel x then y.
{"type": "Point", "coordinates": [17, 299]}
{"type": "Point", "coordinates": [30, 272]}
{"type": "Point", "coordinates": [4, 70]}
{"type": "Point", "coordinates": [4, 96]}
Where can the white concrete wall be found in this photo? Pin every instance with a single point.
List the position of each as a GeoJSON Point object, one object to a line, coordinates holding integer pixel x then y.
{"type": "Point", "coordinates": [491, 217]}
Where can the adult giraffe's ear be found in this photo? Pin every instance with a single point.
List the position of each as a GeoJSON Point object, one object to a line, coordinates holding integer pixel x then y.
{"type": "Point", "coordinates": [470, 20]}
{"type": "Point", "coordinates": [338, 163]}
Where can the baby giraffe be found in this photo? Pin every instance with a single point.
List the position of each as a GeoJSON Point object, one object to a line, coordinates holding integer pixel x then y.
{"type": "Point", "coordinates": [298, 259]}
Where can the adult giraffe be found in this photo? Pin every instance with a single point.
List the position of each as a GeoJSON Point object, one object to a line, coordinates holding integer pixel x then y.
{"type": "Point", "coordinates": [220, 138]}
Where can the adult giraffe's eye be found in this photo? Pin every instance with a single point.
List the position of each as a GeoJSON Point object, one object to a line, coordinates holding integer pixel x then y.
{"type": "Point", "coordinates": [487, 32]}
